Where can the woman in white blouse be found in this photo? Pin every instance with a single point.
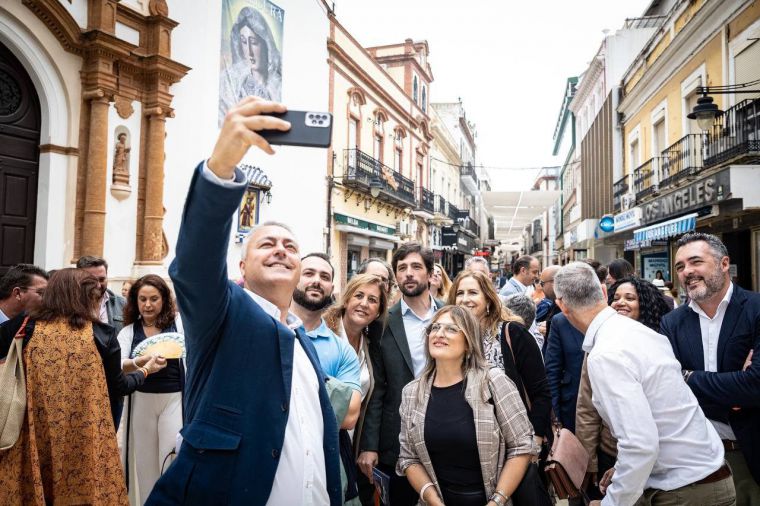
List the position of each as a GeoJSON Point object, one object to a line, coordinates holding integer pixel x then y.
{"type": "Point", "coordinates": [155, 409]}
{"type": "Point", "coordinates": [363, 302]}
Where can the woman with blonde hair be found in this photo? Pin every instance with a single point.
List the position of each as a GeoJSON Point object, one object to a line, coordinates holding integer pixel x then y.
{"type": "Point", "coordinates": [465, 436]}
{"type": "Point", "coordinates": [359, 317]}
{"type": "Point", "coordinates": [440, 284]}
{"type": "Point", "coordinates": [508, 345]}
{"type": "Point", "coordinates": [363, 302]}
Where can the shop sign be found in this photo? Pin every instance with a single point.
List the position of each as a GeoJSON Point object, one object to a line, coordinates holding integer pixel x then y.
{"type": "Point", "coordinates": [607, 223]}
{"type": "Point", "coordinates": [627, 219]}
{"type": "Point", "coordinates": [706, 191]}
{"type": "Point", "coordinates": [634, 245]}
{"type": "Point", "coordinates": [367, 225]}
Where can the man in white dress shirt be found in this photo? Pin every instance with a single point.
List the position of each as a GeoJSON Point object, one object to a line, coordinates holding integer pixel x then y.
{"type": "Point", "coordinates": [668, 452]}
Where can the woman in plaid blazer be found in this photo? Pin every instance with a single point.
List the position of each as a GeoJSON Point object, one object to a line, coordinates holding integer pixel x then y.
{"type": "Point", "coordinates": [465, 436]}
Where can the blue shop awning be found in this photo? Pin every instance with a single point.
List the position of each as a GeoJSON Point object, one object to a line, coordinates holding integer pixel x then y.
{"type": "Point", "coordinates": [666, 229]}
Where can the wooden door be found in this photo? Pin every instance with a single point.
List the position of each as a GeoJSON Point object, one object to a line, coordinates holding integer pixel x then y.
{"type": "Point", "coordinates": [19, 161]}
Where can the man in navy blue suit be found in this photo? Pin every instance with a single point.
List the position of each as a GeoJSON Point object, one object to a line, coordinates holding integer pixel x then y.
{"type": "Point", "coordinates": [259, 428]}
{"type": "Point", "coordinates": [712, 337]}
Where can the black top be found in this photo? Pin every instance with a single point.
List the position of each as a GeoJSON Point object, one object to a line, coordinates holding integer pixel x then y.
{"type": "Point", "coordinates": [169, 379]}
{"type": "Point", "coordinates": [450, 438]}
{"type": "Point", "coordinates": [528, 373]}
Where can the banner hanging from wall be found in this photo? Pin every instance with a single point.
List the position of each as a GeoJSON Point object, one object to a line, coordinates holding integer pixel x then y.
{"type": "Point", "coordinates": [251, 52]}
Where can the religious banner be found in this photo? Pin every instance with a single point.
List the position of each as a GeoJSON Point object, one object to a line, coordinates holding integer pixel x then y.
{"type": "Point", "coordinates": [251, 52]}
{"type": "Point", "coordinates": [248, 214]}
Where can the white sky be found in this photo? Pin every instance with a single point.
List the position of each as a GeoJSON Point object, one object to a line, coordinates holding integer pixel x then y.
{"type": "Point", "coordinates": [507, 60]}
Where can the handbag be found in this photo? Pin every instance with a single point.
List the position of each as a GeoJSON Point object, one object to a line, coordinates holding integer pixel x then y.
{"type": "Point", "coordinates": [13, 391]}
{"type": "Point", "coordinates": [531, 491]}
{"type": "Point", "coordinates": [566, 464]}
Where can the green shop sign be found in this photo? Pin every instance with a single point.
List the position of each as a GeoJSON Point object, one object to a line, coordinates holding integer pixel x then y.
{"type": "Point", "coordinates": [366, 225]}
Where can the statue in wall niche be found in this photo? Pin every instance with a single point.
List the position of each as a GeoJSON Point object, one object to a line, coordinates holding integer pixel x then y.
{"type": "Point", "coordinates": [120, 183]}
{"type": "Point", "coordinates": [121, 160]}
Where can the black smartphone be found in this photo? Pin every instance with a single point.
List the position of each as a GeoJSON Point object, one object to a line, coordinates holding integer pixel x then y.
{"type": "Point", "coordinates": [307, 129]}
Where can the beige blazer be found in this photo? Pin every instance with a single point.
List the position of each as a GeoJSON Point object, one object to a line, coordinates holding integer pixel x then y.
{"type": "Point", "coordinates": [502, 428]}
{"type": "Point", "coordinates": [590, 429]}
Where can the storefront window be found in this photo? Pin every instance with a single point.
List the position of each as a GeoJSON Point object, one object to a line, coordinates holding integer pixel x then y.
{"type": "Point", "coordinates": [354, 260]}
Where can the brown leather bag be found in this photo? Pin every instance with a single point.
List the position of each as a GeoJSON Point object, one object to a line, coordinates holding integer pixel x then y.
{"type": "Point", "coordinates": [566, 464]}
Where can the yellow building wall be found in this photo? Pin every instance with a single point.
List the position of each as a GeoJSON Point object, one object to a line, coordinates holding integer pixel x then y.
{"type": "Point", "coordinates": [711, 56]}
{"type": "Point", "coordinates": [744, 20]}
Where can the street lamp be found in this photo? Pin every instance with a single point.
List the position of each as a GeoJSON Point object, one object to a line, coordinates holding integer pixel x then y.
{"type": "Point", "coordinates": [375, 186]}
{"type": "Point", "coordinates": [705, 112]}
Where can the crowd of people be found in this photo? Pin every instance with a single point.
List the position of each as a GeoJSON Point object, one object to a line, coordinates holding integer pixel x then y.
{"type": "Point", "coordinates": [405, 385]}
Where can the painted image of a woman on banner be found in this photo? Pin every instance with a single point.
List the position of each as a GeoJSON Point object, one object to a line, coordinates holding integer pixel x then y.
{"type": "Point", "coordinates": [251, 52]}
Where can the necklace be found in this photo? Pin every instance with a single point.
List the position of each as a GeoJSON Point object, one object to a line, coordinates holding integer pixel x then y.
{"type": "Point", "coordinates": [148, 325]}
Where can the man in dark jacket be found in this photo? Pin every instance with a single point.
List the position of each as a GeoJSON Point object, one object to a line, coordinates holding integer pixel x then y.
{"type": "Point", "coordinates": [713, 337]}
{"type": "Point", "coordinates": [111, 309]}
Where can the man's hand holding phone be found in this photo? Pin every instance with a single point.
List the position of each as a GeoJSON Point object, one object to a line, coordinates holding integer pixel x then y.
{"type": "Point", "coordinates": [240, 132]}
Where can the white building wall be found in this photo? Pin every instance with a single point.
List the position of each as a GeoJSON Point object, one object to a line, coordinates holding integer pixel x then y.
{"type": "Point", "coordinates": [298, 174]}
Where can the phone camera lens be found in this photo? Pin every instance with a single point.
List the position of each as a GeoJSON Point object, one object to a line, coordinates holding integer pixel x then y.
{"type": "Point", "coordinates": [320, 122]}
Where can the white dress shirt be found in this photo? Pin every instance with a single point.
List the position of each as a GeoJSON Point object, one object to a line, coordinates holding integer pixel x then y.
{"type": "Point", "coordinates": [414, 328]}
{"type": "Point", "coordinates": [103, 311]}
{"type": "Point", "coordinates": [3, 317]}
{"type": "Point", "coordinates": [301, 477]}
{"type": "Point", "coordinates": [710, 328]}
{"type": "Point", "coordinates": [664, 440]}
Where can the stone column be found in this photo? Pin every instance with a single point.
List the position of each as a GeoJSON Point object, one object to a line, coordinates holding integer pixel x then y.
{"type": "Point", "coordinates": [153, 217]}
{"type": "Point", "coordinates": [93, 228]}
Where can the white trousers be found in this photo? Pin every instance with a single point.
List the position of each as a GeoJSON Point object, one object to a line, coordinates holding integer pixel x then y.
{"type": "Point", "coordinates": [156, 419]}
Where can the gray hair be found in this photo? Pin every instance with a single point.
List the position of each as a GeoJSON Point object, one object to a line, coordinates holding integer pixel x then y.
{"type": "Point", "coordinates": [477, 260]}
{"type": "Point", "coordinates": [523, 306]}
{"type": "Point", "coordinates": [717, 247]}
{"type": "Point", "coordinates": [247, 240]}
{"type": "Point", "coordinates": [577, 284]}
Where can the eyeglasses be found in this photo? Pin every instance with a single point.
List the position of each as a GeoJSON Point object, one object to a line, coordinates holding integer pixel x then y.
{"type": "Point", "coordinates": [542, 283]}
{"type": "Point", "coordinates": [448, 329]}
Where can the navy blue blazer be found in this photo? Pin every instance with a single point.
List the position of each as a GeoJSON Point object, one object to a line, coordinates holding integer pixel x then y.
{"type": "Point", "coordinates": [719, 392]}
{"type": "Point", "coordinates": [239, 371]}
{"type": "Point", "coordinates": [564, 360]}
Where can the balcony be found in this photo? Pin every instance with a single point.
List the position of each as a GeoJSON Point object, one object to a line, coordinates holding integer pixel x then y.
{"type": "Point", "coordinates": [645, 178]}
{"type": "Point", "coordinates": [735, 137]}
{"type": "Point", "coordinates": [453, 212]}
{"type": "Point", "coordinates": [469, 178]}
{"type": "Point", "coordinates": [619, 188]}
{"type": "Point", "coordinates": [361, 169]}
{"type": "Point", "coordinates": [681, 160]}
{"type": "Point", "coordinates": [467, 222]}
{"type": "Point", "coordinates": [425, 203]}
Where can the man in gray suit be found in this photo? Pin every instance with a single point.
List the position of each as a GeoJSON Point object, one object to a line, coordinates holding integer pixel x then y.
{"type": "Point", "coordinates": [397, 358]}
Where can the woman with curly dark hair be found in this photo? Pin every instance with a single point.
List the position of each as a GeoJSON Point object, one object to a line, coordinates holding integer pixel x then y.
{"type": "Point", "coordinates": [155, 409]}
{"type": "Point", "coordinates": [639, 300]}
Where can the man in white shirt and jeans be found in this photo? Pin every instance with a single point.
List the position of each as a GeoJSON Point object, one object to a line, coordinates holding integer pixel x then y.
{"type": "Point", "coordinates": [668, 452]}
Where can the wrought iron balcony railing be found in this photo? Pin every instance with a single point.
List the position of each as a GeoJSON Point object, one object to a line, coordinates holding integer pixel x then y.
{"type": "Point", "coordinates": [619, 188]}
{"type": "Point", "coordinates": [645, 178]}
{"type": "Point", "coordinates": [735, 137]}
{"type": "Point", "coordinates": [681, 160]}
{"type": "Point", "coordinates": [425, 200]}
{"type": "Point", "coordinates": [453, 211]}
{"type": "Point", "coordinates": [362, 169]}
{"type": "Point", "coordinates": [441, 205]}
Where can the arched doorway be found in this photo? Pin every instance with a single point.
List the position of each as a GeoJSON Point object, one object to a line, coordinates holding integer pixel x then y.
{"type": "Point", "coordinates": [19, 161]}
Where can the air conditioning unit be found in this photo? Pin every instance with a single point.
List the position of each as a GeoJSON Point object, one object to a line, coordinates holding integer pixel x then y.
{"type": "Point", "coordinates": [628, 201]}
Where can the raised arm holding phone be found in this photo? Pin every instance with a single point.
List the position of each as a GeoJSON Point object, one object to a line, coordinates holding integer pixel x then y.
{"type": "Point", "coordinates": [259, 428]}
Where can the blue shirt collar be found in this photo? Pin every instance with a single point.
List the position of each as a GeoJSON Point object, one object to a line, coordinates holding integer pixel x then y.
{"type": "Point", "coordinates": [323, 331]}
